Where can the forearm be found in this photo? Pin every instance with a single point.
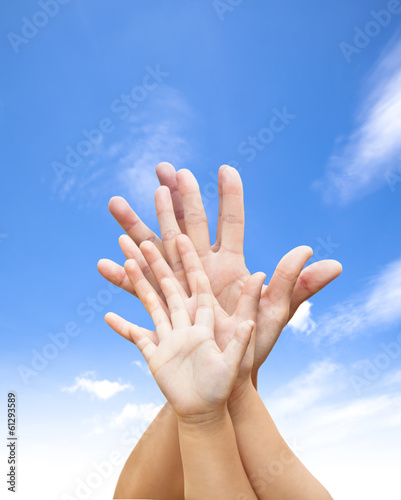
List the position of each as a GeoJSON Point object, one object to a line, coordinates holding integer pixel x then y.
{"type": "Point", "coordinates": [211, 462]}
{"type": "Point", "coordinates": [154, 468]}
{"type": "Point", "coordinates": [272, 468]}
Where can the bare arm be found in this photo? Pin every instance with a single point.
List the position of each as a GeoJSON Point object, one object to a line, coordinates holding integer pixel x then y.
{"type": "Point", "coordinates": [197, 377]}
{"type": "Point", "coordinates": [183, 212]}
{"type": "Point", "coordinates": [273, 469]}
{"type": "Point", "coordinates": [211, 460]}
{"type": "Point", "coordinates": [154, 468]}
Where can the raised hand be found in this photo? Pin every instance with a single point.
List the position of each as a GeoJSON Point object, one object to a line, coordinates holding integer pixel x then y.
{"type": "Point", "coordinates": [225, 324]}
{"type": "Point", "coordinates": [194, 374]}
{"type": "Point", "coordinates": [179, 208]}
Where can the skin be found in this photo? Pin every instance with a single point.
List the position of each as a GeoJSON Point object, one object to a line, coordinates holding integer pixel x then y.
{"type": "Point", "coordinates": [179, 210]}
{"type": "Point", "coordinates": [184, 355]}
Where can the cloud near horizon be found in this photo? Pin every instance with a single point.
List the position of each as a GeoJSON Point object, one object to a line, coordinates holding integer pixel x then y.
{"type": "Point", "coordinates": [102, 389]}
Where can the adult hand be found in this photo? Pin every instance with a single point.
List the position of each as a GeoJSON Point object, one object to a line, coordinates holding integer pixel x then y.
{"type": "Point", "coordinates": [179, 209]}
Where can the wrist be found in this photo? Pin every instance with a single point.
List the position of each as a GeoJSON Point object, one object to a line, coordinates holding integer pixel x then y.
{"type": "Point", "coordinates": [240, 399]}
{"type": "Point", "coordinates": [207, 422]}
{"type": "Point", "coordinates": [254, 378]}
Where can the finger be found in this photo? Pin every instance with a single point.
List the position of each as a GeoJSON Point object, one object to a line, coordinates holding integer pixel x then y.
{"type": "Point", "coordinates": [144, 339]}
{"type": "Point", "coordinates": [159, 267]}
{"type": "Point", "coordinates": [232, 220]}
{"type": "Point", "coordinates": [178, 313]}
{"type": "Point", "coordinates": [159, 316]}
{"type": "Point", "coordinates": [190, 260]}
{"type": "Point", "coordinates": [140, 284]}
{"type": "Point", "coordinates": [282, 283]}
{"type": "Point", "coordinates": [131, 251]}
{"type": "Point", "coordinates": [115, 274]}
{"type": "Point", "coordinates": [131, 223]}
{"type": "Point", "coordinates": [204, 311]}
{"type": "Point", "coordinates": [248, 302]}
{"type": "Point", "coordinates": [217, 244]}
{"type": "Point", "coordinates": [125, 328]}
{"type": "Point", "coordinates": [169, 231]}
{"type": "Point", "coordinates": [236, 348]}
{"type": "Point", "coordinates": [167, 177]}
{"type": "Point", "coordinates": [195, 217]}
{"type": "Point", "coordinates": [312, 279]}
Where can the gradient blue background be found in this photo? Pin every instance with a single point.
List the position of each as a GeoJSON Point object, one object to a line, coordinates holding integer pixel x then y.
{"type": "Point", "coordinates": [226, 76]}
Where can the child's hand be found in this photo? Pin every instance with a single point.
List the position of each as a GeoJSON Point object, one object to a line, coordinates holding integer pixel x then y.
{"type": "Point", "coordinates": [180, 210]}
{"type": "Point", "coordinates": [194, 374]}
{"type": "Point", "coordinates": [225, 325]}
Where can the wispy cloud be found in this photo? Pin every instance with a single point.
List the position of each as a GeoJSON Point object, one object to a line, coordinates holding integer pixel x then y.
{"type": "Point", "coordinates": [372, 151]}
{"type": "Point", "coordinates": [309, 398]}
{"type": "Point", "coordinates": [124, 162]}
{"type": "Point", "coordinates": [102, 389]}
{"type": "Point", "coordinates": [142, 366]}
{"type": "Point", "coordinates": [351, 444]}
{"type": "Point", "coordinates": [138, 412]}
{"type": "Point", "coordinates": [379, 305]}
{"type": "Point", "coordinates": [319, 381]}
{"type": "Point", "coordinates": [160, 135]}
{"type": "Point", "coordinates": [302, 320]}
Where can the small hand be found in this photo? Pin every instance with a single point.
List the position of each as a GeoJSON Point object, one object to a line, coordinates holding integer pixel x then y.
{"type": "Point", "coordinates": [194, 374]}
{"type": "Point", "coordinates": [180, 209]}
{"type": "Point", "coordinates": [225, 324]}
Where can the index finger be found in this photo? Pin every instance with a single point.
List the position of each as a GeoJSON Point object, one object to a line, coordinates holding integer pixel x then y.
{"type": "Point", "coordinates": [195, 217]}
{"type": "Point", "coordinates": [167, 177]}
{"type": "Point", "coordinates": [131, 223]}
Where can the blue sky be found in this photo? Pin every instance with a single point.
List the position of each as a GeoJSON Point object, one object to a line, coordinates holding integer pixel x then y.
{"type": "Point", "coordinates": [207, 81]}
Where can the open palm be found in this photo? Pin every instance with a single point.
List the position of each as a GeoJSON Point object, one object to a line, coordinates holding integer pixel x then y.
{"type": "Point", "coordinates": [225, 324]}
{"type": "Point", "coordinates": [180, 210]}
{"type": "Point", "coordinates": [184, 357]}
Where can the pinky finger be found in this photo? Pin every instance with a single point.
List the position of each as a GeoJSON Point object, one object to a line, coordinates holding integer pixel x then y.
{"type": "Point", "coordinates": [146, 340]}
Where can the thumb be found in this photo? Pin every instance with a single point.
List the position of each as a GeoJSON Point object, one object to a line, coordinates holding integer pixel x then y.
{"type": "Point", "coordinates": [236, 348]}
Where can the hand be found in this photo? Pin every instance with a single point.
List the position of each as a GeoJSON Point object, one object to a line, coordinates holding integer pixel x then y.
{"type": "Point", "coordinates": [193, 373]}
{"type": "Point", "coordinates": [179, 208]}
{"type": "Point", "coordinates": [225, 324]}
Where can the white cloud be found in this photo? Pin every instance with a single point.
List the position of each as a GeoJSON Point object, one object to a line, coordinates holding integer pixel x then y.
{"type": "Point", "coordinates": [143, 367]}
{"type": "Point", "coordinates": [309, 398]}
{"type": "Point", "coordinates": [351, 444]}
{"type": "Point", "coordinates": [302, 320]}
{"type": "Point", "coordinates": [319, 381]}
{"type": "Point", "coordinates": [125, 162]}
{"type": "Point", "coordinates": [145, 412]}
{"type": "Point", "coordinates": [378, 306]}
{"type": "Point", "coordinates": [102, 389]}
{"type": "Point", "coordinates": [372, 151]}
{"type": "Point", "coordinates": [154, 137]}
